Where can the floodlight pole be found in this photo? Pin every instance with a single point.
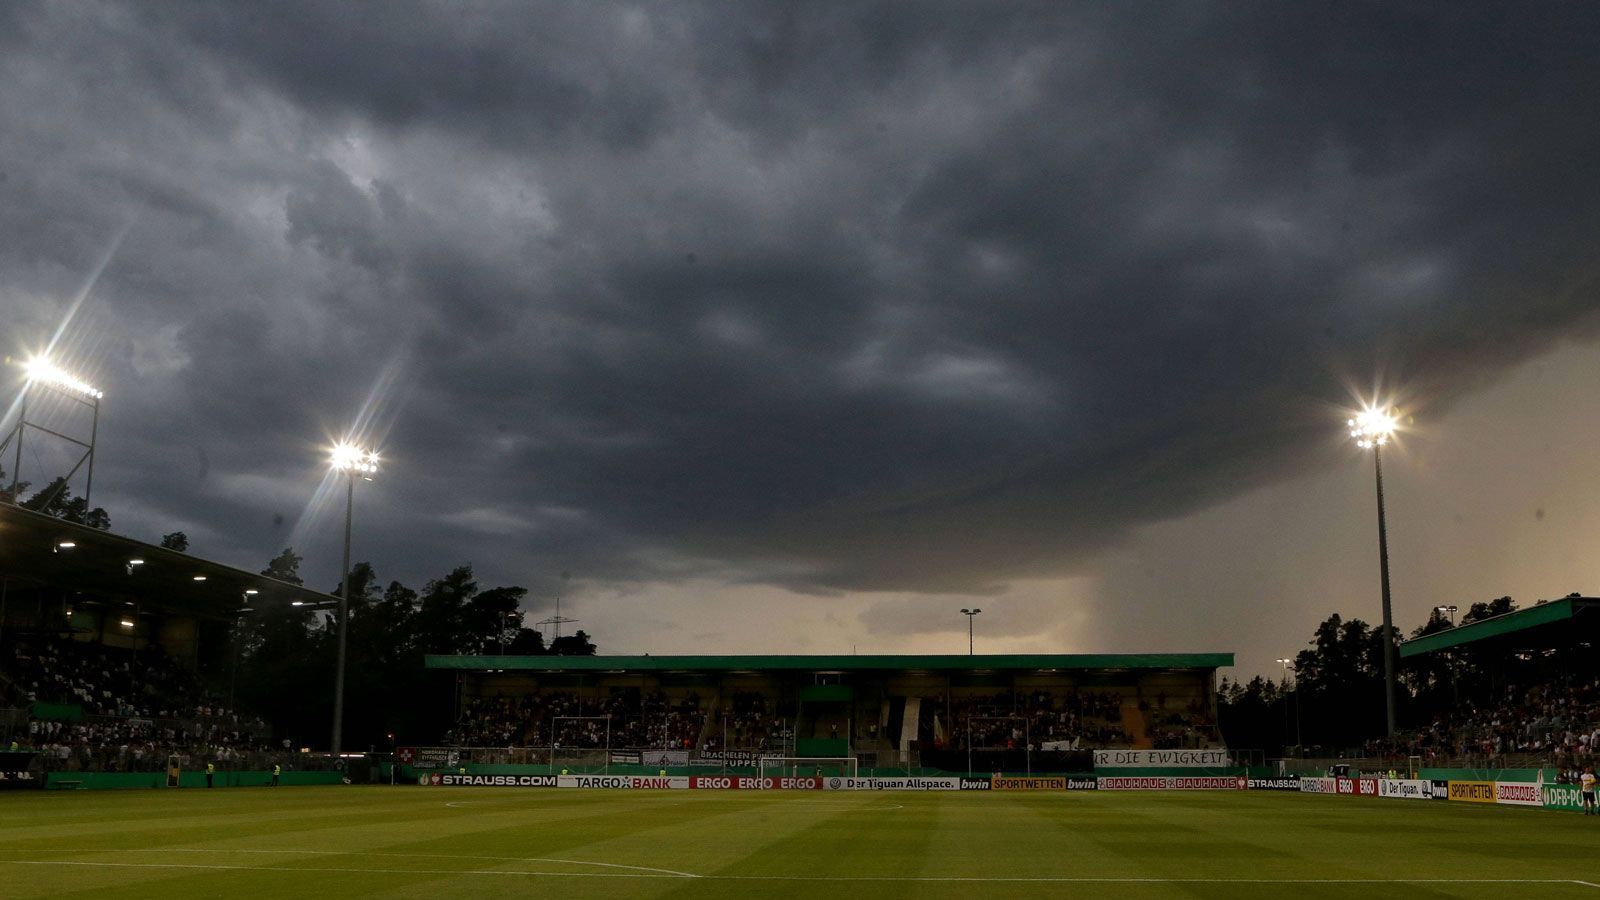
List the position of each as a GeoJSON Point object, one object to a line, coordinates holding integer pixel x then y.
{"type": "Point", "coordinates": [1388, 617]}
{"type": "Point", "coordinates": [970, 613]}
{"type": "Point", "coordinates": [344, 615]}
{"type": "Point", "coordinates": [16, 467]}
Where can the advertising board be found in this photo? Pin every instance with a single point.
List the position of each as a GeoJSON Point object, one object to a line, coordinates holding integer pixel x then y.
{"type": "Point", "coordinates": [1088, 783]}
{"type": "Point", "coordinates": [756, 783]}
{"type": "Point", "coordinates": [1562, 796]}
{"type": "Point", "coordinates": [440, 779]}
{"type": "Point", "coordinates": [1286, 783]}
{"type": "Point", "coordinates": [1405, 789]}
{"type": "Point", "coordinates": [1052, 783]}
{"type": "Point", "coordinates": [1319, 785]}
{"type": "Point", "coordinates": [1472, 791]}
{"type": "Point", "coordinates": [624, 782]}
{"type": "Point", "coordinates": [1518, 793]}
{"type": "Point", "coordinates": [942, 783]}
{"type": "Point", "coordinates": [1171, 783]}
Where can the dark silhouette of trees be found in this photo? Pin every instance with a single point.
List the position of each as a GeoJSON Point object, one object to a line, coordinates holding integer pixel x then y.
{"type": "Point", "coordinates": [287, 654]}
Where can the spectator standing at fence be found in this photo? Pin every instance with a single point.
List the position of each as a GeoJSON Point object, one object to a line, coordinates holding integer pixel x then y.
{"type": "Point", "coordinates": [211, 774]}
{"type": "Point", "coordinates": [276, 771]}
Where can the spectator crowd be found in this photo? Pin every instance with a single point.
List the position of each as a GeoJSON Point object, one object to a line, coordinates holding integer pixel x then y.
{"type": "Point", "coordinates": [95, 708]}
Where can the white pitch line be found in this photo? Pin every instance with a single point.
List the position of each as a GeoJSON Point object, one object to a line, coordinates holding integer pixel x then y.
{"type": "Point", "coordinates": [344, 870]}
{"type": "Point", "coordinates": [1043, 879]}
{"type": "Point", "coordinates": [381, 853]}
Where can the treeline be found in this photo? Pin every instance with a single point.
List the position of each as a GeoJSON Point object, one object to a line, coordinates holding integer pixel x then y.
{"type": "Point", "coordinates": [55, 499]}
{"type": "Point", "coordinates": [1331, 698]}
{"type": "Point", "coordinates": [285, 656]}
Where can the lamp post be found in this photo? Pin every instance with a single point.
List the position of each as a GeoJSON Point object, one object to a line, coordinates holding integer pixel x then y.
{"type": "Point", "coordinates": [353, 462]}
{"type": "Point", "coordinates": [969, 613]}
{"type": "Point", "coordinates": [1450, 611]}
{"type": "Point", "coordinates": [1287, 665]}
{"type": "Point", "coordinates": [1372, 429]}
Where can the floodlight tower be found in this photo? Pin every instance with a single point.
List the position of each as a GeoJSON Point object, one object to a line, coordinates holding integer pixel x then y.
{"type": "Point", "coordinates": [1288, 665]}
{"type": "Point", "coordinates": [354, 462]}
{"type": "Point", "coordinates": [40, 372]}
{"type": "Point", "coordinates": [1372, 428]}
{"type": "Point", "coordinates": [969, 613]}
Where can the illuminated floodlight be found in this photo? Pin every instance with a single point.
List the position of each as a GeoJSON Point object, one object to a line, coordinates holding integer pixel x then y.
{"type": "Point", "coordinates": [297, 603]}
{"type": "Point", "coordinates": [353, 459]}
{"type": "Point", "coordinates": [199, 578]}
{"type": "Point", "coordinates": [1373, 426]}
{"type": "Point", "coordinates": [65, 545]}
{"type": "Point", "coordinates": [135, 562]}
{"type": "Point", "coordinates": [251, 592]}
{"type": "Point", "coordinates": [42, 370]}
{"type": "Point", "coordinates": [127, 623]}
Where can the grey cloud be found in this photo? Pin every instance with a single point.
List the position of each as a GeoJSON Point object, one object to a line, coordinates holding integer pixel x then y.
{"type": "Point", "coordinates": [868, 297]}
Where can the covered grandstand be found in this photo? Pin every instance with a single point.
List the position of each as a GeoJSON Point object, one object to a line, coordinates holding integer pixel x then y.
{"type": "Point", "coordinates": [947, 712]}
{"type": "Point", "coordinates": [115, 653]}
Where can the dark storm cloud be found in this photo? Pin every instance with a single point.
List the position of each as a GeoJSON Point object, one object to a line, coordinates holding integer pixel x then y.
{"type": "Point", "coordinates": [867, 296]}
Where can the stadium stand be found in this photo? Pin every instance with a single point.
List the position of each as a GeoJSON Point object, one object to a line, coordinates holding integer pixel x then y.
{"type": "Point", "coordinates": [896, 709]}
{"type": "Point", "coordinates": [103, 644]}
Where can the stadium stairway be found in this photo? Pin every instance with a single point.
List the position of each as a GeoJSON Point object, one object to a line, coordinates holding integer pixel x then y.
{"type": "Point", "coordinates": [1133, 723]}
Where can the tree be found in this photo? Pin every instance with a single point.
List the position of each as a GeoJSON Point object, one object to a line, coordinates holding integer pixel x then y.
{"type": "Point", "coordinates": [55, 499]}
{"type": "Point", "coordinates": [176, 541]}
{"type": "Point", "coordinates": [573, 645]}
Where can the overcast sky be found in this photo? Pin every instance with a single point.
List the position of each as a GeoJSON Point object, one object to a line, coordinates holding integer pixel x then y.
{"type": "Point", "coordinates": [796, 327]}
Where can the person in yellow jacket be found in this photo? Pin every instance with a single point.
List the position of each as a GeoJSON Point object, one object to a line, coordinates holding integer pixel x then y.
{"type": "Point", "coordinates": [211, 774]}
{"type": "Point", "coordinates": [276, 771]}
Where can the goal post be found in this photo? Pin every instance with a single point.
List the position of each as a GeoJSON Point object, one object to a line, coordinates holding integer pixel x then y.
{"type": "Point", "coordinates": [805, 766]}
{"type": "Point", "coordinates": [572, 754]}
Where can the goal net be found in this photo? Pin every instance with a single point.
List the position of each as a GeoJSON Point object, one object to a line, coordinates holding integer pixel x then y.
{"type": "Point", "coordinates": [806, 766]}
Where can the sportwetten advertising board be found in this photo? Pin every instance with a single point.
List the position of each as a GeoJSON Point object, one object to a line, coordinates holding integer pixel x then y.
{"type": "Point", "coordinates": [1029, 784]}
{"type": "Point", "coordinates": [1472, 791]}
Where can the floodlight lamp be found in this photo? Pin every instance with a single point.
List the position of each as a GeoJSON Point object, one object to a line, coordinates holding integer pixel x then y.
{"type": "Point", "coordinates": [65, 545]}
{"type": "Point", "coordinates": [200, 578]}
{"type": "Point", "coordinates": [127, 623]}
{"type": "Point", "coordinates": [1373, 426]}
{"type": "Point", "coordinates": [297, 603]}
{"type": "Point", "coordinates": [251, 592]}
{"type": "Point", "coordinates": [350, 458]}
{"type": "Point", "coordinates": [42, 370]}
{"type": "Point", "coordinates": [135, 562]}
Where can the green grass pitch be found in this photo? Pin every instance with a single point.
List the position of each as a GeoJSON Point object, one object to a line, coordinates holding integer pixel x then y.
{"type": "Point", "coordinates": [487, 842]}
